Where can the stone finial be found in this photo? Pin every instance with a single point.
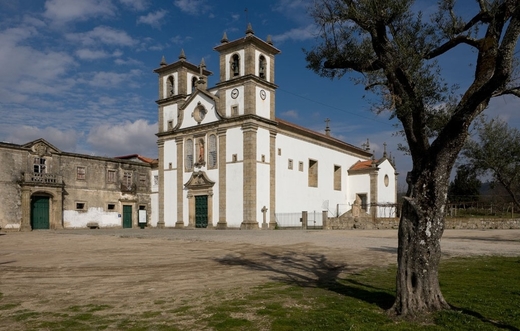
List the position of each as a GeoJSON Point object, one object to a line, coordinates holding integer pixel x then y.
{"type": "Point", "coordinates": [269, 39]}
{"type": "Point", "coordinates": [327, 128]}
{"type": "Point", "coordinates": [224, 38]}
{"type": "Point", "coordinates": [384, 150]}
{"type": "Point", "coordinates": [249, 30]}
{"type": "Point", "coordinates": [366, 145]}
{"type": "Point", "coordinates": [182, 56]}
{"type": "Point", "coordinates": [163, 62]}
{"type": "Point", "coordinates": [202, 66]}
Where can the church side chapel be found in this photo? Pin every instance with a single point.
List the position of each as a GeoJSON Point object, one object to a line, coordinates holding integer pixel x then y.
{"type": "Point", "coordinates": [226, 161]}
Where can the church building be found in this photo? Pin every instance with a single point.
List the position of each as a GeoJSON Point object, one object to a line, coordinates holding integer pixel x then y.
{"type": "Point", "coordinates": [227, 161]}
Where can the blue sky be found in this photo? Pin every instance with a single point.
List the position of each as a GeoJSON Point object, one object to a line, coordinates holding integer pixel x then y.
{"type": "Point", "coordinates": [80, 73]}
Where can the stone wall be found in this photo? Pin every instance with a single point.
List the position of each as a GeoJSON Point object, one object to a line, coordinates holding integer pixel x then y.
{"type": "Point", "coordinates": [366, 223]}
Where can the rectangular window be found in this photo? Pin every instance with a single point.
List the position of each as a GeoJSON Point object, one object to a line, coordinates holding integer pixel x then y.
{"type": "Point", "coordinates": [80, 206]}
{"type": "Point", "coordinates": [313, 173]}
{"type": "Point", "coordinates": [337, 177]}
{"type": "Point", "coordinates": [80, 173]}
{"type": "Point", "coordinates": [111, 206]}
{"type": "Point", "coordinates": [111, 176]}
{"type": "Point", "coordinates": [127, 179]}
{"type": "Point", "coordinates": [234, 158]}
{"type": "Point", "coordinates": [290, 165]}
{"type": "Point", "coordinates": [234, 110]}
{"type": "Point", "coordinates": [279, 151]}
{"type": "Point", "coordinates": [263, 158]}
{"type": "Point", "coordinates": [39, 165]}
{"type": "Point", "coordinates": [155, 180]}
{"type": "Point", "coordinates": [142, 179]}
{"type": "Point", "coordinates": [170, 125]}
{"type": "Point", "coordinates": [300, 166]}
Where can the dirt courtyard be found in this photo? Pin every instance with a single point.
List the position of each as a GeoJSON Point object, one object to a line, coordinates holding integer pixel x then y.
{"type": "Point", "coordinates": [129, 269]}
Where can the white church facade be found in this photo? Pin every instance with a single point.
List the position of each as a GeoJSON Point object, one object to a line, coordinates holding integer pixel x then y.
{"type": "Point", "coordinates": [227, 161]}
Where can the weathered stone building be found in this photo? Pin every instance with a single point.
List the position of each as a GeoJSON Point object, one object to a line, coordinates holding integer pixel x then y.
{"type": "Point", "coordinates": [42, 187]}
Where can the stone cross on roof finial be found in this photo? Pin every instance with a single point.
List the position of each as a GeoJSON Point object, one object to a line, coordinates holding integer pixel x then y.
{"type": "Point", "coordinates": [384, 151]}
{"type": "Point", "coordinates": [327, 128]}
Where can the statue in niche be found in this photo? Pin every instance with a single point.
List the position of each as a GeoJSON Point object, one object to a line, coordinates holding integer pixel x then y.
{"type": "Point", "coordinates": [201, 150]}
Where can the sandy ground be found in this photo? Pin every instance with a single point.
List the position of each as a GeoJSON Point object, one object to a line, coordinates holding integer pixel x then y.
{"type": "Point", "coordinates": [129, 269]}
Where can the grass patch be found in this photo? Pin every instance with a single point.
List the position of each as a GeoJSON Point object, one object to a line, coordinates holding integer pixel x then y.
{"type": "Point", "coordinates": [484, 293]}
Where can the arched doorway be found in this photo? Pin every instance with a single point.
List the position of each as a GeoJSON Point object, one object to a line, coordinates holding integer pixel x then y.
{"type": "Point", "coordinates": [40, 212]}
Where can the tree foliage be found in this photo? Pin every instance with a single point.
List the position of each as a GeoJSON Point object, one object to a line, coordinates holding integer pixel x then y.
{"type": "Point", "coordinates": [465, 187]}
{"type": "Point", "coordinates": [394, 52]}
{"type": "Point", "coordinates": [496, 151]}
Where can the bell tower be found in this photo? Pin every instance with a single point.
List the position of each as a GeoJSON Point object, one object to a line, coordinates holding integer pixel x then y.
{"type": "Point", "coordinates": [247, 76]}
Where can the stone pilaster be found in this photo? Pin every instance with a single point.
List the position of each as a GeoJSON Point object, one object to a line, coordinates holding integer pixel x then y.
{"type": "Point", "coordinates": [272, 179]}
{"type": "Point", "coordinates": [249, 175]}
{"type": "Point", "coordinates": [26, 209]}
{"type": "Point", "coordinates": [180, 185]}
{"type": "Point", "coordinates": [160, 222]}
{"type": "Point", "coordinates": [373, 193]}
{"type": "Point", "coordinates": [222, 185]}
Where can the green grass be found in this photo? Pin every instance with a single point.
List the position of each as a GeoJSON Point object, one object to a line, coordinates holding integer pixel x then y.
{"type": "Point", "coordinates": [484, 293]}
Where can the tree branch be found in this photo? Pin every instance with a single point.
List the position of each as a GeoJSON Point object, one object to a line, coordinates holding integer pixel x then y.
{"type": "Point", "coordinates": [452, 43]}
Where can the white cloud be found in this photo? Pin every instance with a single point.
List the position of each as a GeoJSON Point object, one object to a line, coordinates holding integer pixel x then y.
{"type": "Point", "coordinates": [112, 79]}
{"type": "Point", "coordinates": [65, 140]}
{"type": "Point", "coordinates": [193, 7]}
{"type": "Point", "coordinates": [127, 138]}
{"type": "Point", "coordinates": [290, 114]}
{"type": "Point", "coordinates": [135, 4]}
{"type": "Point", "coordinates": [88, 54]}
{"type": "Point", "coordinates": [153, 19]}
{"type": "Point", "coordinates": [102, 34]}
{"type": "Point", "coordinates": [63, 11]}
{"type": "Point", "coordinates": [297, 34]}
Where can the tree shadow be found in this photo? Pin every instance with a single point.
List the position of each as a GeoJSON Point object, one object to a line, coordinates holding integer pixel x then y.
{"type": "Point", "coordinates": [311, 270]}
{"type": "Point", "coordinates": [483, 319]}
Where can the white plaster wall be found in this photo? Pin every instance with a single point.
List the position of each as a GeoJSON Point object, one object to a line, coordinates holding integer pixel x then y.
{"type": "Point", "coordinates": [170, 197]}
{"type": "Point", "coordinates": [263, 191]}
{"type": "Point", "coordinates": [386, 194]}
{"type": "Point", "coordinates": [213, 176]}
{"type": "Point", "coordinates": [211, 115]}
{"type": "Point", "coordinates": [239, 101]}
{"type": "Point", "coordinates": [154, 213]}
{"type": "Point", "coordinates": [262, 106]}
{"type": "Point", "coordinates": [234, 194]}
{"type": "Point", "coordinates": [170, 154]}
{"type": "Point", "coordinates": [293, 193]}
{"type": "Point", "coordinates": [358, 184]}
{"type": "Point", "coordinates": [227, 63]}
{"type": "Point", "coordinates": [76, 219]}
{"type": "Point", "coordinates": [169, 114]}
{"type": "Point", "coordinates": [234, 144]}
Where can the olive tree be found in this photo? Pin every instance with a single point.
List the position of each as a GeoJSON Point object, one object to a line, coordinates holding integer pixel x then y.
{"type": "Point", "coordinates": [395, 50]}
{"type": "Point", "coordinates": [496, 151]}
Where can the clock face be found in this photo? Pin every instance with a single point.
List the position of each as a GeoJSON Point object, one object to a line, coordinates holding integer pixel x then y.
{"type": "Point", "coordinates": [234, 93]}
{"type": "Point", "coordinates": [262, 94]}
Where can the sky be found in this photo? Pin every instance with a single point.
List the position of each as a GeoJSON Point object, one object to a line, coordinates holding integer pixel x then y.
{"type": "Point", "coordinates": [80, 73]}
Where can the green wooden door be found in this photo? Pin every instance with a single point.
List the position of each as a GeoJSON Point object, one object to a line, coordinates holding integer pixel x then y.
{"type": "Point", "coordinates": [40, 213]}
{"type": "Point", "coordinates": [127, 216]}
{"type": "Point", "coordinates": [201, 211]}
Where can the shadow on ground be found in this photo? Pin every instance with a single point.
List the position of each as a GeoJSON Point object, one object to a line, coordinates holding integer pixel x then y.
{"type": "Point", "coordinates": [311, 270]}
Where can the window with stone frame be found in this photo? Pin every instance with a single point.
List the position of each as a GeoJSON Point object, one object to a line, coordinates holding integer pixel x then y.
{"type": "Point", "coordinates": [194, 84]}
{"type": "Point", "coordinates": [337, 178]}
{"type": "Point", "coordinates": [290, 164]}
{"type": "Point", "coordinates": [300, 166]}
{"type": "Point", "coordinates": [313, 173]}
{"type": "Point", "coordinates": [111, 176]}
{"type": "Point", "coordinates": [81, 173]}
{"type": "Point", "coordinates": [40, 166]}
{"type": "Point", "coordinates": [188, 152]}
{"type": "Point", "coordinates": [127, 179]}
{"type": "Point", "coordinates": [142, 180]}
{"type": "Point", "coordinates": [212, 151]}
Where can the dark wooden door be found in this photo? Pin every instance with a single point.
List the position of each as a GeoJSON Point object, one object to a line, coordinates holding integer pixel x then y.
{"type": "Point", "coordinates": [127, 217]}
{"type": "Point", "coordinates": [201, 211]}
{"type": "Point", "coordinates": [40, 213]}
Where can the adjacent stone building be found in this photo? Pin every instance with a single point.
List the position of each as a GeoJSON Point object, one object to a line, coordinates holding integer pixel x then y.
{"type": "Point", "coordinates": [42, 187]}
{"type": "Point", "coordinates": [225, 160]}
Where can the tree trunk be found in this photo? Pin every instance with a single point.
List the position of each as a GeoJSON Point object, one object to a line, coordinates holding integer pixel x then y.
{"type": "Point", "coordinates": [419, 250]}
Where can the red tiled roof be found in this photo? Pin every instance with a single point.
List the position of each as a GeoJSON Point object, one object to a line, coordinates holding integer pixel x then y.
{"type": "Point", "coordinates": [137, 156]}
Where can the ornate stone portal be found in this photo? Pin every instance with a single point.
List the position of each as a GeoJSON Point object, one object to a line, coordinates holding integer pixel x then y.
{"type": "Point", "coordinates": [199, 185]}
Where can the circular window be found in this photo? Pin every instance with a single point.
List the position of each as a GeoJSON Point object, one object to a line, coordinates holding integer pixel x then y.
{"type": "Point", "coordinates": [387, 180]}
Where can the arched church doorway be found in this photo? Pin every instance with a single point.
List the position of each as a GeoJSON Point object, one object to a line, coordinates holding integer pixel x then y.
{"type": "Point", "coordinates": [40, 212]}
